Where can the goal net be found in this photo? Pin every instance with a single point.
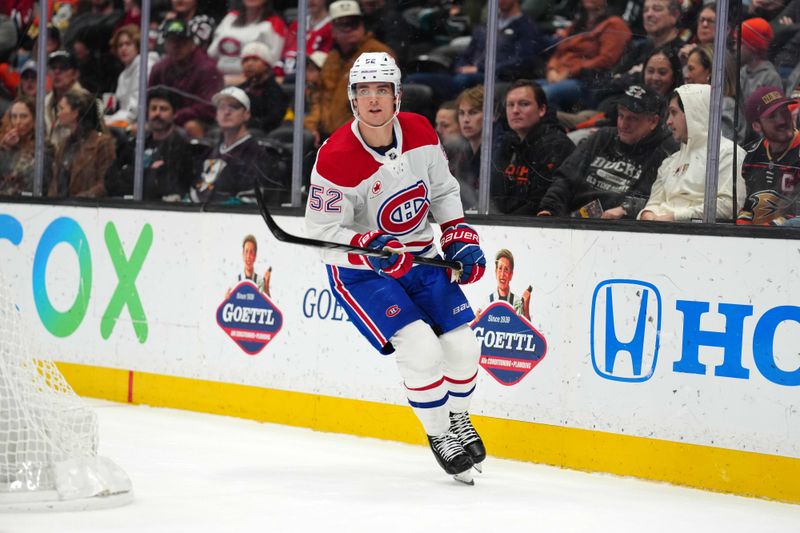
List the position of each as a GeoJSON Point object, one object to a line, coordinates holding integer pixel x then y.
{"type": "Point", "coordinates": [48, 435]}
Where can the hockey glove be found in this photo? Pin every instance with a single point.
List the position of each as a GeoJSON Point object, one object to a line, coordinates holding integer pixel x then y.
{"type": "Point", "coordinates": [461, 243]}
{"type": "Point", "coordinates": [394, 266]}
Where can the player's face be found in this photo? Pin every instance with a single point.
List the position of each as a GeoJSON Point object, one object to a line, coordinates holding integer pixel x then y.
{"type": "Point", "coordinates": [375, 102]}
{"type": "Point", "coordinates": [522, 110]}
{"type": "Point", "coordinates": [777, 127]}
{"type": "Point", "coordinates": [633, 127]}
{"type": "Point", "coordinates": [249, 256]}
{"type": "Point", "coordinates": [470, 120]}
{"type": "Point", "coordinates": [503, 273]}
{"type": "Point", "coordinates": [676, 122]}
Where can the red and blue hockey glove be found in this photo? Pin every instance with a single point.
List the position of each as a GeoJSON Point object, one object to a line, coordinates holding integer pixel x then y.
{"type": "Point", "coordinates": [461, 243]}
{"type": "Point", "coordinates": [394, 266]}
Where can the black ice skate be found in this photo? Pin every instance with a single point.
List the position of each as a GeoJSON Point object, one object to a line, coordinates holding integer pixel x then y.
{"type": "Point", "coordinates": [461, 427]}
{"type": "Point", "coordinates": [452, 457]}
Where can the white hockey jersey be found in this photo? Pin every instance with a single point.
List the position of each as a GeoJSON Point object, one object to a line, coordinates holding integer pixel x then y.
{"type": "Point", "coordinates": [354, 189]}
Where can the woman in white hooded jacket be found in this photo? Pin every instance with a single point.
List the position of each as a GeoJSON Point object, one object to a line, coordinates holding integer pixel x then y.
{"type": "Point", "coordinates": [679, 190]}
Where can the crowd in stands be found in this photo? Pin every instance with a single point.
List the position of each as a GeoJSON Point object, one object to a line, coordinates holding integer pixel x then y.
{"type": "Point", "coordinates": [601, 106]}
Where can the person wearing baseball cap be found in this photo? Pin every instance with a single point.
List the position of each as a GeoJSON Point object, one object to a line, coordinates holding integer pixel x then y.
{"type": "Point", "coordinates": [268, 101]}
{"type": "Point", "coordinates": [771, 168]}
{"type": "Point", "coordinates": [756, 70]}
{"type": "Point", "coordinates": [678, 194]}
{"type": "Point", "coordinates": [332, 109]}
{"type": "Point", "coordinates": [238, 162]}
{"type": "Point", "coordinates": [609, 174]}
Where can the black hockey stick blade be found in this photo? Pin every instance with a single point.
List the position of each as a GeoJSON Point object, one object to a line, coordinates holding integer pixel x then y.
{"type": "Point", "coordinates": [283, 236]}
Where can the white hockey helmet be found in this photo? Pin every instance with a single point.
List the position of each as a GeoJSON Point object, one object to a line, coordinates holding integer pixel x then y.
{"type": "Point", "coordinates": [374, 67]}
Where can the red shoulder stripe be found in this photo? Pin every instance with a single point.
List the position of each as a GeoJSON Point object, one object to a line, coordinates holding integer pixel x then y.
{"type": "Point", "coordinates": [343, 161]}
{"type": "Point", "coordinates": [417, 131]}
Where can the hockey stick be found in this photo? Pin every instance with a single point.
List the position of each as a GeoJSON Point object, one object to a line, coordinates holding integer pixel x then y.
{"type": "Point", "coordinates": [282, 236]}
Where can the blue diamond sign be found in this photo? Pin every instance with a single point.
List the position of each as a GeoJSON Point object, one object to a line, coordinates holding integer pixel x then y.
{"type": "Point", "coordinates": [249, 318]}
{"type": "Point", "coordinates": [510, 346]}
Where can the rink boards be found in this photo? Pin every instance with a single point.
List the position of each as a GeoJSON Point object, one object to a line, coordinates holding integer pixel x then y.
{"type": "Point", "coordinates": [668, 357]}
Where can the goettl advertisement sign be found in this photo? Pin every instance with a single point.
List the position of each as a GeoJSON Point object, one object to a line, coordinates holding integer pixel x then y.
{"type": "Point", "coordinates": [510, 346]}
{"type": "Point", "coordinates": [249, 318]}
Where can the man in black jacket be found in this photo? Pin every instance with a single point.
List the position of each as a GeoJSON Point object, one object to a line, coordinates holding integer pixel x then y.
{"type": "Point", "coordinates": [238, 164]}
{"type": "Point", "coordinates": [615, 166]}
{"type": "Point", "coordinates": [528, 155]}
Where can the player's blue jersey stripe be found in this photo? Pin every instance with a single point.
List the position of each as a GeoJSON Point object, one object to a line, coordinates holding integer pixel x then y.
{"type": "Point", "coordinates": [462, 394]}
{"type": "Point", "coordinates": [429, 405]}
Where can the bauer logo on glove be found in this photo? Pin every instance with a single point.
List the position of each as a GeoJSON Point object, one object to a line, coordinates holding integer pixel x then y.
{"type": "Point", "coordinates": [461, 243]}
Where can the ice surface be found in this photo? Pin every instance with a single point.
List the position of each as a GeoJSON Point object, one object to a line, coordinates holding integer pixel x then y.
{"type": "Point", "coordinates": [201, 473]}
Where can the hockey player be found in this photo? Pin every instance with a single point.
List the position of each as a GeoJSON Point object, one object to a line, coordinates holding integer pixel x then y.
{"type": "Point", "coordinates": [373, 184]}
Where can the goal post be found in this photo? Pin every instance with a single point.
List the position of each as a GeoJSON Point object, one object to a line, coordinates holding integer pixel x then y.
{"type": "Point", "coordinates": [48, 434]}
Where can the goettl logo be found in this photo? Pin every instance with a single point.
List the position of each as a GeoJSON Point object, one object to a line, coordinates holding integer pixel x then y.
{"type": "Point", "coordinates": [249, 318]}
{"type": "Point", "coordinates": [510, 346]}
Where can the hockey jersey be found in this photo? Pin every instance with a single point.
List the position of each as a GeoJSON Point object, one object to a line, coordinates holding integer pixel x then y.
{"type": "Point", "coordinates": [354, 189]}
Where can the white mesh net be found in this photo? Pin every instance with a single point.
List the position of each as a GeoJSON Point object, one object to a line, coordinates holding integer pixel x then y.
{"type": "Point", "coordinates": [48, 435]}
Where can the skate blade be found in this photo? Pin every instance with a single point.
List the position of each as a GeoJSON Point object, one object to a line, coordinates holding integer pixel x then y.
{"type": "Point", "coordinates": [465, 477]}
{"type": "Point", "coordinates": [478, 467]}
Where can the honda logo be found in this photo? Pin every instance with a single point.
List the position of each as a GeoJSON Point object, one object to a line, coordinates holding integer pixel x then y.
{"type": "Point", "coordinates": [625, 329]}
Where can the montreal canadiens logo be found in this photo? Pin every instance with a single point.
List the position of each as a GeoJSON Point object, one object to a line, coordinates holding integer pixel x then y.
{"type": "Point", "coordinates": [404, 211]}
{"type": "Point", "coordinates": [392, 311]}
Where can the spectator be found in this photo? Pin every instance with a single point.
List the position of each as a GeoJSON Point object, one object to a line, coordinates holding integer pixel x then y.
{"type": "Point", "coordinates": [595, 42]}
{"type": "Point", "coordinates": [771, 169]}
{"type": "Point", "coordinates": [662, 72]}
{"type": "Point", "coordinates": [319, 38]}
{"type": "Point", "coordinates": [314, 64]}
{"type": "Point", "coordinates": [268, 102]}
{"type": "Point", "coordinates": [169, 166]}
{"type": "Point", "coordinates": [82, 161]}
{"type": "Point", "coordinates": [466, 157]}
{"type": "Point", "coordinates": [756, 70]}
{"type": "Point", "coordinates": [256, 22]}
{"type": "Point", "coordinates": [87, 36]}
{"type": "Point", "coordinates": [678, 194]}
{"type": "Point", "coordinates": [519, 48]}
{"type": "Point", "coordinates": [192, 74]}
{"type": "Point", "coordinates": [609, 175]}
{"type": "Point", "coordinates": [27, 80]}
{"type": "Point", "coordinates": [64, 71]}
{"type": "Point", "coordinates": [447, 122]}
{"type": "Point", "coordinates": [785, 48]}
{"type": "Point", "coordinates": [661, 25]}
{"type": "Point", "coordinates": [704, 32]}
{"type": "Point", "coordinates": [698, 70]}
{"type": "Point", "coordinates": [125, 44]}
{"type": "Point", "coordinates": [201, 26]}
{"type": "Point", "coordinates": [17, 147]}
{"type": "Point", "coordinates": [351, 39]}
{"type": "Point", "coordinates": [528, 155]}
{"type": "Point", "coordinates": [767, 9]}
{"type": "Point", "coordinates": [238, 164]}
{"type": "Point", "coordinates": [386, 22]}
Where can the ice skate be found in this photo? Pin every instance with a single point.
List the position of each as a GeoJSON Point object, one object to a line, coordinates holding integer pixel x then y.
{"type": "Point", "coordinates": [452, 457]}
{"type": "Point", "coordinates": [461, 427]}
